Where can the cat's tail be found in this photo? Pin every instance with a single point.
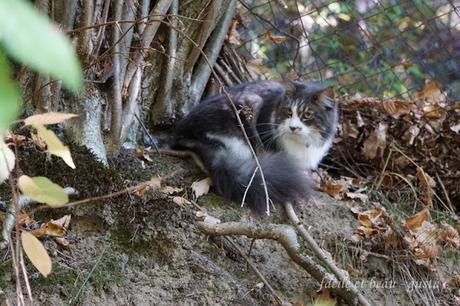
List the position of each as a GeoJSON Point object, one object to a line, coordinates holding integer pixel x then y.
{"type": "Point", "coordinates": [284, 180]}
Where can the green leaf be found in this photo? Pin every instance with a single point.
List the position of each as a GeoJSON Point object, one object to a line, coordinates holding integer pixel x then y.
{"type": "Point", "coordinates": [9, 95]}
{"type": "Point", "coordinates": [42, 190]}
{"type": "Point", "coordinates": [30, 38]}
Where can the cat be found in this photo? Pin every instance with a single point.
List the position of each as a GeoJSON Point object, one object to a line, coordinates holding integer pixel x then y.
{"type": "Point", "coordinates": [289, 125]}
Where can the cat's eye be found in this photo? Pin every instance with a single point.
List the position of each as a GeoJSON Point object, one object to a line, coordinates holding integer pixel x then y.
{"type": "Point", "coordinates": [307, 115]}
{"type": "Point", "coordinates": [287, 112]}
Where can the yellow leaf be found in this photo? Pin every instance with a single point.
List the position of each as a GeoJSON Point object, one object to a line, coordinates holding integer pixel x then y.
{"type": "Point", "coordinates": [43, 190]}
{"type": "Point", "coordinates": [7, 161]}
{"type": "Point", "coordinates": [55, 146]}
{"type": "Point", "coordinates": [36, 252]}
{"type": "Point", "coordinates": [48, 118]}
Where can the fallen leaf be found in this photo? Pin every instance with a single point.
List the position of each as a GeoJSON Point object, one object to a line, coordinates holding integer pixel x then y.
{"type": "Point", "coordinates": [449, 236]}
{"type": "Point", "coordinates": [36, 253]}
{"type": "Point", "coordinates": [201, 187]}
{"type": "Point", "coordinates": [62, 242]}
{"type": "Point", "coordinates": [48, 118]}
{"type": "Point", "coordinates": [415, 221]}
{"type": "Point", "coordinates": [54, 230]}
{"type": "Point", "coordinates": [376, 142]}
{"type": "Point", "coordinates": [182, 202]}
{"type": "Point", "coordinates": [357, 196]}
{"type": "Point", "coordinates": [43, 190]}
{"type": "Point", "coordinates": [64, 221]}
{"type": "Point", "coordinates": [55, 146]}
{"type": "Point", "coordinates": [7, 161]}
{"type": "Point", "coordinates": [397, 108]}
{"type": "Point", "coordinates": [171, 190]}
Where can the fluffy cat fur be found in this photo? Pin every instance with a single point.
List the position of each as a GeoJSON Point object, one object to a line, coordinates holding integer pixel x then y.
{"type": "Point", "coordinates": [291, 126]}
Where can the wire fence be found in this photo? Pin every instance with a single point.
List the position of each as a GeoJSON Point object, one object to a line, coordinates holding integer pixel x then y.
{"type": "Point", "coordinates": [380, 48]}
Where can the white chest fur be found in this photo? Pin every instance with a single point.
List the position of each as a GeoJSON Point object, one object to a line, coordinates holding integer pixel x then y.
{"type": "Point", "coordinates": [307, 157]}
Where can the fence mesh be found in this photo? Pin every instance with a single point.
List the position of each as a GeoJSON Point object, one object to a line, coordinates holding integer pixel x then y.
{"type": "Point", "coordinates": [380, 48]}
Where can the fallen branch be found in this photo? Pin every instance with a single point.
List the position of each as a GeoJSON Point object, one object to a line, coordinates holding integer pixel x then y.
{"type": "Point", "coordinates": [287, 237]}
{"type": "Point", "coordinates": [326, 258]}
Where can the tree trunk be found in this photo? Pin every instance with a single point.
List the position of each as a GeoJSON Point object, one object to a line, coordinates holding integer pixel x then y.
{"type": "Point", "coordinates": [147, 58]}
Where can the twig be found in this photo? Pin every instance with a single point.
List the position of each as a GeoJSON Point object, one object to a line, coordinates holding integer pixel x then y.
{"type": "Point", "coordinates": [150, 30]}
{"type": "Point", "coordinates": [287, 237]}
{"type": "Point", "coordinates": [321, 254]}
{"type": "Point", "coordinates": [256, 270]}
{"type": "Point", "coordinates": [446, 194]}
{"type": "Point", "coordinates": [249, 185]}
{"type": "Point", "coordinates": [203, 70]}
{"type": "Point", "coordinates": [148, 133]}
{"type": "Point", "coordinates": [26, 277]}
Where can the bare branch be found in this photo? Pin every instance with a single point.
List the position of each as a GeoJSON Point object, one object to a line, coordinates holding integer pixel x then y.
{"type": "Point", "coordinates": [203, 70]}
{"type": "Point", "coordinates": [150, 30]}
{"type": "Point", "coordinates": [325, 257]}
{"type": "Point", "coordinates": [287, 237]}
{"type": "Point", "coordinates": [208, 25]}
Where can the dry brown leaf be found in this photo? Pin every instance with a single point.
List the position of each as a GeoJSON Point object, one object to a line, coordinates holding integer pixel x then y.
{"type": "Point", "coordinates": [36, 253]}
{"type": "Point", "coordinates": [64, 221]}
{"type": "Point", "coordinates": [449, 236]}
{"type": "Point", "coordinates": [397, 108]}
{"type": "Point", "coordinates": [171, 190]}
{"type": "Point", "coordinates": [54, 230]}
{"type": "Point", "coordinates": [201, 187]}
{"type": "Point", "coordinates": [415, 221]}
{"type": "Point", "coordinates": [369, 218]}
{"type": "Point", "coordinates": [144, 154]}
{"type": "Point", "coordinates": [336, 190]}
{"type": "Point", "coordinates": [48, 118]}
{"type": "Point", "coordinates": [377, 141]}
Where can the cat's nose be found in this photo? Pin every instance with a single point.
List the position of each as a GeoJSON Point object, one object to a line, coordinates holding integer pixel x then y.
{"type": "Point", "coordinates": [294, 128]}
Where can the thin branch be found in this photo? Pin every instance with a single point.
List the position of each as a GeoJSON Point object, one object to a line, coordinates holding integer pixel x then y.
{"type": "Point", "coordinates": [325, 258]}
{"type": "Point", "coordinates": [287, 237]}
{"type": "Point", "coordinates": [203, 70]}
{"type": "Point", "coordinates": [256, 270]}
{"type": "Point", "coordinates": [150, 30]}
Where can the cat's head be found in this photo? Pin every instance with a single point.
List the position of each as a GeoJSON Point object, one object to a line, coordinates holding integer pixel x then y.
{"type": "Point", "coordinates": [307, 114]}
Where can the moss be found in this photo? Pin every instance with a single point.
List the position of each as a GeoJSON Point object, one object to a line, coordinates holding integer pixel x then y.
{"type": "Point", "coordinates": [60, 276]}
{"type": "Point", "coordinates": [211, 200]}
{"type": "Point", "coordinates": [5, 267]}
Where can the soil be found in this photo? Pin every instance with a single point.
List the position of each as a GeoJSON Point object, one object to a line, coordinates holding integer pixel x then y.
{"type": "Point", "coordinates": [148, 250]}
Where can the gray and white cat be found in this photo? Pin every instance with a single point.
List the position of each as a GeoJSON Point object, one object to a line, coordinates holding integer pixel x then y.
{"type": "Point", "coordinates": [290, 125]}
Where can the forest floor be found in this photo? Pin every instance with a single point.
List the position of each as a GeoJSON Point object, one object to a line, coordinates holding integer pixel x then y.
{"type": "Point", "coordinates": [146, 249]}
